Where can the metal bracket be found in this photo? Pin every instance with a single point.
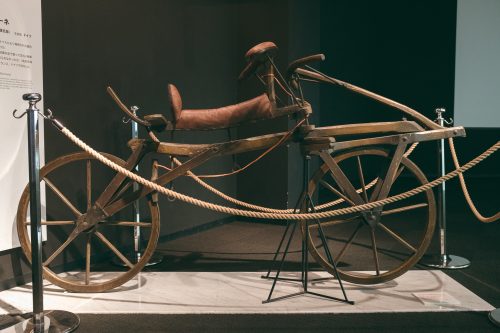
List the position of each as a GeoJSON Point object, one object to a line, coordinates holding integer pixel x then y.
{"type": "Point", "coordinates": [46, 115]}
{"type": "Point", "coordinates": [134, 109]}
{"type": "Point", "coordinates": [440, 120]}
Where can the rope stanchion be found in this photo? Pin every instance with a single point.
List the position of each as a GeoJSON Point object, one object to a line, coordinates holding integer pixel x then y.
{"type": "Point", "coordinates": [443, 260]}
{"type": "Point", "coordinates": [284, 215]}
{"type": "Point", "coordinates": [136, 254]}
{"type": "Point", "coordinates": [55, 321]}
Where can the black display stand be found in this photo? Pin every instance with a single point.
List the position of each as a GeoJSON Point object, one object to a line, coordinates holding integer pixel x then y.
{"type": "Point", "coordinates": [304, 279]}
{"type": "Point", "coordinates": [53, 321]}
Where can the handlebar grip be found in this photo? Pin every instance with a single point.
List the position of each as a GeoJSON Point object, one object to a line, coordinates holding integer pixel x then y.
{"type": "Point", "coordinates": [303, 61]}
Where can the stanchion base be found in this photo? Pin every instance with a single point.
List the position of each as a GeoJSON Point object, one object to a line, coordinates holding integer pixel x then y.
{"type": "Point", "coordinates": [445, 262]}
{"type": "Point", "coordinates": [495, 317]}
{"type": "Point", "coordinates": [54, 321]}
{"type": "Point", "coordinates": [134, 258]}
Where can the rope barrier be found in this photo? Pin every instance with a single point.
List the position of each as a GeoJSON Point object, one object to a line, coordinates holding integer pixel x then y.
{"type": "Point", "coordinates": [235, 201]}
{"type": "Point", "coordinates": [466, 191]}
{"type": "Point", "coordinates": [277, 214]}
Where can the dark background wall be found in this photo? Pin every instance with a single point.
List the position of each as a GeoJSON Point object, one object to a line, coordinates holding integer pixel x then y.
{"type": "Point", "coordinates": [401, 49]}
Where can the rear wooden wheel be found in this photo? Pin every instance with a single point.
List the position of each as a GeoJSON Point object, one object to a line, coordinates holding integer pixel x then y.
{"type": "Point", "coordinates": [372, 246]}
{"type": "Point", "coordinates": [79, 260]}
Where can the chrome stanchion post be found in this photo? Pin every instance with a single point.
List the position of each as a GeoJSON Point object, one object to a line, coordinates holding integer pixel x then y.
{"type": "Point", "coordinates": [50, 320]}
{"type": "Point", "coordinates": [443, 259]}
{"type": "Point", "coordinates": [135, 207]}
{"type": "Point", "coordinates": [136, 255]}
{"type": "Point", "coordinates": [35, 211]}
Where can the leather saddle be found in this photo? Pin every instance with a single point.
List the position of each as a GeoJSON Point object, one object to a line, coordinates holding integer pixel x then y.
{"type": "Point", "coordinates": [254, 109]}
{"type": "Point", "coordinates": [223, 117]}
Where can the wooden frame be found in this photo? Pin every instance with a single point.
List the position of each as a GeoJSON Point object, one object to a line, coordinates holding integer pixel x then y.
{"type": "Point", "coordinates": [333, 145]}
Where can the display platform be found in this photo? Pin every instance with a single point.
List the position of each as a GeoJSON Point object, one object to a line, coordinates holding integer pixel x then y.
{"type": "Point", "coordinates": [243, 292]}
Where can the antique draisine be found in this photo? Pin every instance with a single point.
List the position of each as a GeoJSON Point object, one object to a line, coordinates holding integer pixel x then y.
{"type": "Point", "coordinates": [366, 187]}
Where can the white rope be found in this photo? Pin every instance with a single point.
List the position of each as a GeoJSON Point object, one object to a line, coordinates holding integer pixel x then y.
{"type": "Point", "coordinates": [280, 216]}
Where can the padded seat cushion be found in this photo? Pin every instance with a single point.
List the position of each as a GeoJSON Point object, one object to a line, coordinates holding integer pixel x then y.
{"type": "Point", "coordinates": [260, 49]}
{"type": "Point", "coordinates": [224, 117]}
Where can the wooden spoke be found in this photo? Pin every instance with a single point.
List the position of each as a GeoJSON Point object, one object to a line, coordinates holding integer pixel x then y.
{"type": "Point", "coordinates": [404, 209]}
{"type": "Point", "coordinates": [333, 222]}
{"type": "Point", "coordinates": [87, 261]}
{"type": "Point", "coordinates": [349, 241]}
{"type": "Point", "coordinates": [398, 173]}
{"type": "Point", "coordinates": [371, 184]}
{"type": "Point", "coordinates": [114, 249]}
{"type": "Point", "coordinates": [337, 192]}
{"type": "Point", "coordinates": [378, 187]}
{"type": "Point", "coordinates": [345, 175]}
{"type": "Point", "coordinates": [61, 248]}
{"type": "Point", "coordinates": [65, 223]}
{"type": "Point", "coordinates": [375, 251]}
{"type": "Point", "coordinates": [53, 222]}
{"type": "Point", "coordinates": [362, 179]}
{"type": "Point", "coordinates": [397, 237]}
{"type": "Point", "coordinates": [122, 190]}
{"type": "Point", "coordinates": [89, 184]}
{"type": "Point", "coordinates": [376, 190]}
{"type": "Point", "coordinates": [127, 224]}
{"type": "Point", "coordinates": [62, 197]}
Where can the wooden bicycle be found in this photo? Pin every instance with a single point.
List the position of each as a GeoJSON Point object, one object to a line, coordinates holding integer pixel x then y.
{"type": "Point", "coordinates": [360, 163]}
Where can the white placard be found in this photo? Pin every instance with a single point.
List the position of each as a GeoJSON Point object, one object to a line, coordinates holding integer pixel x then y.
{"type": "Point", "coordinates": [20, 73]}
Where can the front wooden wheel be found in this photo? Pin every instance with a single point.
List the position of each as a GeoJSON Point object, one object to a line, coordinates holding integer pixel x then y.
{"type": "Point", "coordinates": [373, 246]}
{"type": "Point", "coordinates": [79, 261]}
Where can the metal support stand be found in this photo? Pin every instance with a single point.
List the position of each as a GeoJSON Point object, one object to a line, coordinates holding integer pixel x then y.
{"type": "Point", "coordinates": [304, 279]}
{"type": "Point", "coordinates": [443, 260]}
{"type": "Point", "coordinates": [136, 255]}
{"type": "Point", "coordinates": [41, 321]}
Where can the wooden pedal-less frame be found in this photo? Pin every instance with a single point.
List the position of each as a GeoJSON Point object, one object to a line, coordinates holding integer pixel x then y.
{"type": "Point", "coordinates": [360, 163]}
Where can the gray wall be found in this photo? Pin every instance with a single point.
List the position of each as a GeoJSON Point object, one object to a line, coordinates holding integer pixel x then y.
{"type": "Point", "coordinates": [477, 84]}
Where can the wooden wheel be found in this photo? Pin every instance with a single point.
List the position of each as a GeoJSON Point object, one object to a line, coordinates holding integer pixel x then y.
{"type": "Point", "coordinates": [76, 258]}
{"type": "Point", "coordinates": [378, 245]}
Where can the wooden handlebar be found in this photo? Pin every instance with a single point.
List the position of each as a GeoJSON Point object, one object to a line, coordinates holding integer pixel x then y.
{"type": "Point", "coordinates": [384, 100]}
{"type": "Point", "coordinates": [124, 108]}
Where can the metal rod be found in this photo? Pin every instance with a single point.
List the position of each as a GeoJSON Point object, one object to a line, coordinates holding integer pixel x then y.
{"type": "Point", "coordinates": [35, 210]}
{"type": "Point", "coordinates": [277, 250]}
{"type": "Point", "coordinates": [304, 279]}
{"type": "Point", "coordinates": [443, 259]}
{"type": "Point", "coordinates": [136, 255]}
{"type": "Point", "coordinates": [135, 208]}
{"type": "Point", "coordinates": [56, 321]}
{"type": "Point", "coordinates": [441, 192]}
{"type": "Point", "coordinates": [305, 248]}
{"type": "Point", "coordinates": [327, 252]}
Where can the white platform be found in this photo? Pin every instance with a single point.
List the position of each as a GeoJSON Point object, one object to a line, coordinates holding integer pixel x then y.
{"type": "Point", "coordinates": [243, 292]}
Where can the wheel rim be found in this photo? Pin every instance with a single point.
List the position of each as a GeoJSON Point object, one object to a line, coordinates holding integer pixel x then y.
{"type": "Point", "coordinates": [371, 248]}
{"type": "Point", "coordinates": [68, 197]}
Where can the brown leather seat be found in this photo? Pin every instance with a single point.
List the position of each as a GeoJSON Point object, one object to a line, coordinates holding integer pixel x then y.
{"type": "Point", "coordinates": [224, 117]}
{"type": "Point", "coordinates": [261, 49]}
